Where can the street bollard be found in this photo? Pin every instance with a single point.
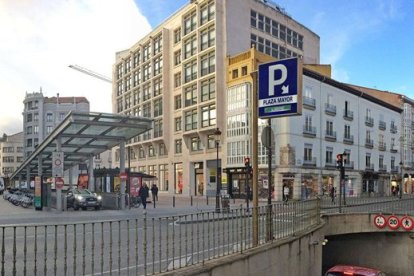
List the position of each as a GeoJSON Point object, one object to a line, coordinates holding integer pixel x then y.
{"type": "Point", "coordinates": [207, 199]}
{"type": "Point", "coordinates": [191, 200]}
{"type": "Point", "coordinates": [174, 201]}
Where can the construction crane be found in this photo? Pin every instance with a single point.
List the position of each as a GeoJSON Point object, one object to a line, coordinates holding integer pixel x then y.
{"type": "Point", "coordinates": [90, 73]}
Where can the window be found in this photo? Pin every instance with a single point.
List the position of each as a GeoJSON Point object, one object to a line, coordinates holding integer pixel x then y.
{"type": "Point", "coordinates": [368, 160]}
{"type": "Point", "coordinates": [29, 143]}
{"type": "Point", "coordinates": [190, 22]}
{"type": "Point", "coordinates": [308, 122]}
{"type": "Point", "coordinates": [235, 73]}
{"type": "Point", "coordinates": [307, 156]}
{"type": "Point", "coordinates": [177, 35]}
{"type": "Point", "coordinates": [49, 117]}
{"type": "Point", "coordinates": [162, 150]}
{"type": "Point", "coordinates": [244, 71]}
{"type": "Point", "coordinates": [157, 87]}
{"type": "Point", "coordinates": [190, 95]}
{"type": "Point", "coordinates": [35, 129]}
{"type": "Point", "coordinates": [211, 141]}
{"type": "Point", "coordinates": [151, 151]}
{"type": "Point", "coordinates": [347, 131]}
{"type": "Point", "coordinates": [190, 70]}
{"type": "Point", "coordinates": [158, 130]}
{"type": "Point", "coordinates": [190, 47]}
{"type": "Point", "coordinates": [208, 90]}
{"type": "Point", "coordinates": [49, 129]}
{"type": "Point", "coordinates": [178, 146]}
{"type": "Point", "coordinates": [207, 38]}
{"type": "Point", "coordinates": [196, 144]}
{"type": "Point", "coordinates": [29, 130]}
{"type": "Point", "coordinates": [191, 120]}
{"type": "Point", "coordinates": [141, 152]}
{"type": "Point", "coordinates": [8, 159]}
{"type": "Point", "coordinates": [61, 116]}
{"type": "Point", "coordinates": [177, 80]}
{"type": "Point", "coordinates": [29, 117]}
{"type": "Point", "coordinates": [328, 155]}
{"type": "Point", "coordinates": [208, 116]}
{"type": "Point", "coordinates": [8, 149]}
{"type": "Point", "coordinates": [36, 117]}
{"type": "Point", "coordinates": [157, 44]}
{"type": "Point", "coordinates": [147, 72]}
{"type": "Point", "coordinates": [146, 110]}
{"type": "Point", "coordinates": [157, 66]}
{"type": "Point", "coordinates": [136, 59]}
{"type": "Point", "coordinates": [177, 57]}
{"type": "Point", "coordinates": [146, 92]}
{"type": "Point", "coordinates": [207, 12]}
{"type": "Point", "coordinates": [253, 19]}
{"type": "Point", "coordinates": [381, 161]}
{"type": "Point", "coordinates": [208, 64]}
{"type": "Point", "coordinates": [158, 107]}
{"type": "Point", "coordinates": [177, 102]}
{"type": "Point", "coordinates": [329, 128]}
{"type": "Point", "coordinates": [178, 123]}
{"type": "Point", "coordinates": [146, 52]}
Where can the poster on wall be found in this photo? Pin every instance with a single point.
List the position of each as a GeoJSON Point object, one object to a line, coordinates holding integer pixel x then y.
{"type": "Point", "coordinates": [134, 186]}
{"type": "Point", "coordinates": [83, 181]}
{"type": "Point", "coordinates": [117, 184]}
{"type": "Point", "coordinates": [108, 184]}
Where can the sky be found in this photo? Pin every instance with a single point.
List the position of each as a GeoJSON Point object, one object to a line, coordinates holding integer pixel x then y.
{"type": "Point", "coordinates": [368, 43]}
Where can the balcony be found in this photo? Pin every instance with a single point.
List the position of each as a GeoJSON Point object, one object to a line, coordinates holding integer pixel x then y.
{"type": "Point", "coordinates": [310, 162]}
{"type": "Point", "coordinates": [348, 115]}
{"type": "Point", "coordinates": [329, 163]}
{"type": "Point", "coordinates": [393, 149]}
{"type": "Point", "coordinates": [393, 129]}
{"type": "Point", "coordinates": [382, 146]}
{"type": "Point", "coordinates": [349, 139]}
{"type": "Point", "coordinates": [369, 143]}
{"type": "Point", "coordinates": [369, 121]}
{"type": "Point", "coordinates": [330, 109]}
{"type": "Point", "coordinates": [330, 135]}
{"type": "Point", "coordinates": [395, 169]}
{"type": "Point", "coordinates": [382, 168]}
{"type": "Point", "coordinates": [309, 103]}
{"type": "Point", "coordinates": [382, 125]}
{"type": "Point", "coordinates": [349, 165]}
{"type": "Point", "coordinates": [309, 131]}
{"type": "Point", "coordinates": [369, 167]}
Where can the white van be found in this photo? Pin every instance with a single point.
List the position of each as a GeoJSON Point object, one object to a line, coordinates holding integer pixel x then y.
{"type": "Point", "coordinates": [1, 185]}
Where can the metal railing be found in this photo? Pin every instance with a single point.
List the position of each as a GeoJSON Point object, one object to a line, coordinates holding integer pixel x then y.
{"type": "Point", "coordinates": [146, 246]}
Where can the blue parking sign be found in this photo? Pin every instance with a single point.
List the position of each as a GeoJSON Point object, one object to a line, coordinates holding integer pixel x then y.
{"type": "Point", "coordinates": [280, 88]}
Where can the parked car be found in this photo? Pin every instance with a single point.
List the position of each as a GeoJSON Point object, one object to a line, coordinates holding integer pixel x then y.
{"type": "Point", "coordinates": [345, 270]}
{"type": "Point", "coordinates": [83, 198]}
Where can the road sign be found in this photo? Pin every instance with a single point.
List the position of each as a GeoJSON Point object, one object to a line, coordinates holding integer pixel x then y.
{"type": "Point", "coordinates": [407, 223]}
{"type": "Point", "coordinates": [123, 176]}
{"type": "Point", "coordinates": [393, 222]}
{"type": "Point", "coordinates": [380, 221]}
{"type": "Point", "coordinates": [59, 182]}
{"type": "Point", "coordinates": [57, 164]}
{"type": "Point", "coordinates": [280, 88]}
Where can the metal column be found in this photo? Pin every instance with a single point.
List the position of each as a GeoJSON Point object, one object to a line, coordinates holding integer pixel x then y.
{"type": "Point", "coordinates": [59, 190]}
{"type": "Point", "coordinates": [91, 183]}
{"type": "Point", "coordinates": [122, 170]}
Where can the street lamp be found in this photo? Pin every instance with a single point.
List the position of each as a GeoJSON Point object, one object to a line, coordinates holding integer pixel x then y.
{"type": "Point", "coordinates": [217, 135]}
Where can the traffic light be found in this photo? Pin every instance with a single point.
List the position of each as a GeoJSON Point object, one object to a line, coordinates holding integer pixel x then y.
{"type": "Point", "coordinates": [247, 161]}
{"type": "Point", "coordinates": [339, 161]}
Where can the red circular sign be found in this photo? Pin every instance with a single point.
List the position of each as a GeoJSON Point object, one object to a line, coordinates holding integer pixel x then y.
{"type": "Point", "coordinates": [407, 223]}
{"type": "Point", "coordinates": [59, 182]}
{"type": "Point", "coordinates": [123, 176]}
{"type": "Point", "coordinates": [393, 222]}
{"type": "Point", "coordinates": [380, 221]}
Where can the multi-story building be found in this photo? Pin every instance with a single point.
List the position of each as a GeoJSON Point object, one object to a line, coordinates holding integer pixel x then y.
{"type": "Point", "coordinates": [42, 114]}
{"type": "Point", "coordinates": [11, 153]}
{"type": "Point", "coordinates": [336, 118]}
{"type": "Point", "coordinates": [177, 75]}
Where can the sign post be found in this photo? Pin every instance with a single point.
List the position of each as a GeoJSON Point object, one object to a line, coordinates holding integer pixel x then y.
{"type": "Point", "coordinates": [57, 164]}
{"type": "Point", "coordinates": [38, 193]}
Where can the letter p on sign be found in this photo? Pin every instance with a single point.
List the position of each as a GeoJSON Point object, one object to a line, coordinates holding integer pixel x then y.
{"type": "Point", "coordinates": [272, 82]}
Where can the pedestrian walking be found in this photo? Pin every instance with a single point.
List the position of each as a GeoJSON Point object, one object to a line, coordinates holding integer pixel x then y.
{"type": "Point", "coordinates": [143, 194]}
{"type": "Point", "coordinates": [154, 192]}
{"type": "Point", "coordinates": [332, 193]}
{"type": "Point", "coordinates": [285, 193]}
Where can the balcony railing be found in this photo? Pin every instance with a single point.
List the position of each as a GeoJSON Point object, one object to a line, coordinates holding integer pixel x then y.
{"type": "Point", "coordinates": [309, 102]}
{"type": "Point", "coordinates": [330, 109]}
{"type": "Point", "coordinates": [329, 163]}
{"type": "Point", "coordinates": [348, 115]}
{"type": "Point", "coordinates": [349, 165]}
{"type": "Point", "coordinates": [369, 121]}
{"type": "Point", "coordinates": [382, 125]}
{"type": "Point", "coordinates": [309, 162]}
{"type": "Point", "coordinates": [349, 139]}
{"type": "Point", "coordinates": [369, 143]}
{"type": "Point", "coordinates": [393, 129]}
{"type": "Point", "coordinates": [382, 168]}
{"type": "Point", "coordinates": [330, 135]}
{"type": "Point", "coordinates": [395, 169]}
{"type": "Point", "coordinates": [382, 146]}
{"type": "Point", "coordinates": [309, 131]}
{"type": "Point", "coordinates": [369, 167]}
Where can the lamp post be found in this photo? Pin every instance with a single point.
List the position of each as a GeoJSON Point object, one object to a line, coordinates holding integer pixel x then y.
{"type": "Point", "coordinates": [401, 182]}
{"type": "Point", "coordinates": [344, 160]}
{"type": "Point", "coordinates": [217, 135]}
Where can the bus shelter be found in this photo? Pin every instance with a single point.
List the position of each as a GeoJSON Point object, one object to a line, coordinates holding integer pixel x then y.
{"type": "Point", "coordinates": [76, 140]}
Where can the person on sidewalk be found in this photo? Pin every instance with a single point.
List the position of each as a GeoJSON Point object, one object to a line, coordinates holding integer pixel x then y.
{"type": "Point", "coordinates": [285, 193]}
{"type": "Point", "coordinates": [154, 192]}
{"type": "Point", "coordinates": [143, 194]}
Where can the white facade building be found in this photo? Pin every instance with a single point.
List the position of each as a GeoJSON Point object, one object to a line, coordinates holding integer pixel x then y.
{"type": "Point", "coordinates": [11, 153]}
{"type": "Point", "coordinates": [177, 75]}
